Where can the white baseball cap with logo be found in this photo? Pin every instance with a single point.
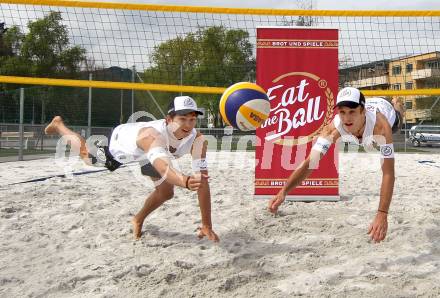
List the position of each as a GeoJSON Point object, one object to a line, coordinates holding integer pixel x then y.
{"type": "Point", "coordinates": [182, 105]}
{"type": "Point", "coordinates": [350, 97]}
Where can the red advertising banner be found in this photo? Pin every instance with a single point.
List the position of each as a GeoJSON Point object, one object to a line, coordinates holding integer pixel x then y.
{"type": "Point", "coordinates": [298, 67]}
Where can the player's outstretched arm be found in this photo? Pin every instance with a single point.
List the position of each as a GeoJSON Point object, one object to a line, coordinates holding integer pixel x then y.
{"type": "Point", "coordinates": [384, 137]}
{"type": "Point", "coordinates": [200, 167]}
{"type": "Point", "coordinates": [328, 136]}
{"type": "Point", "coordinates": [153, 144]}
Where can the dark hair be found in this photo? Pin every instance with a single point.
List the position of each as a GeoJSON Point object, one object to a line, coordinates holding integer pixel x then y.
{"type": "Point", "coordinates": [172, 114]}
{"type": "Point", "coordinates": [349, 104]}
{"type": "Point", "coordinates": [170, 110]}
{"type": "Point", "coordinates": [361, 99]}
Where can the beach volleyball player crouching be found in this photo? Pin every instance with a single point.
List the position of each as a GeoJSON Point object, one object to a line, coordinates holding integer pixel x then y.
{"type": "Point", "coordinates": [368, 123]}
{"type": "Point", "coordinates": [154, 144]}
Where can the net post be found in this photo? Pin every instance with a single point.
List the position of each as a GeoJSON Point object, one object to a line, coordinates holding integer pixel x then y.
{"type": "Point", "coordinates": [133, 79]}
{"type": "Point", "coordinates": [89, 110]}
{"type": "Point", "coordinates": [21, 130]}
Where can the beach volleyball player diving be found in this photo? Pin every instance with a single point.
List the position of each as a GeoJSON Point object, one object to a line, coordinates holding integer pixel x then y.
{"type": "Point", "coordinates": [154, 144]}
{"type": "Point", "coordinates": [368, 123]}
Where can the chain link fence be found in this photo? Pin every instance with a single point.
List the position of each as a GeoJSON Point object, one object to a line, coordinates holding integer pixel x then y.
{"type": "Point", "coordinates": [24, 113]}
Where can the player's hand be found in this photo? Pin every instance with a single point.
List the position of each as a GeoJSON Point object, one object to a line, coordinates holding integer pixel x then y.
{"type": "Point", "coordinates": [276, 201]}
{"type": "Point", "coordinates": [208, 232]}
{"type": "Point", "coordinates": [195, 181]}
{"type": "Point", "coordinates": [378, 228]}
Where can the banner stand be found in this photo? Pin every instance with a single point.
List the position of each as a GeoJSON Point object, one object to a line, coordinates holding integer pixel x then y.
{"type": "Point", "coordinates": [298, 68]}
{"type": "Point", "coordinates": [301, 198]}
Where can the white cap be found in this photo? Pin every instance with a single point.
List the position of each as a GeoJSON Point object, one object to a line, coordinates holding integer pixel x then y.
{"type": "Point", "coordinates": [182, 105]}
{"type": "Point", "coordinates": [350, 97]}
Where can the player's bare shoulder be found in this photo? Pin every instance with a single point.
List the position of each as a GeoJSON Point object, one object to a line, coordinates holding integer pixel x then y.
{"type": "Point", "coordinates": [382, 127]}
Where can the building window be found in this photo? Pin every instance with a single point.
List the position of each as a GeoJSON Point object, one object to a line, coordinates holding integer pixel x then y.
{"type": "Point", "coordinates": [409, 67]}
{"type": "Point", "coordinates": [433, 84]}
{"type": "Point", "coordinates": [396, 86]}
{"type": "Point", "coordinates": [397, 69]}
{"type": "Point", "coordinates": [408, 85]}
{"type": "Point", "coordinates": [408, 105]}
{"type": "Point", "coordinates": [432, 64]}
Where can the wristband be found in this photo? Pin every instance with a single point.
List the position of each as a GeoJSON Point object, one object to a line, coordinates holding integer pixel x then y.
{"type": "Point", "coordinates": [155, 153]}
{"type": "Point", "coordinates": [199, 165]}
{"type": "Point", "coordinates": [322, 145]}
{"type": "Point", "coordinates": [387, 151]}
{"type": "Point", "coordinates": [386, 212]}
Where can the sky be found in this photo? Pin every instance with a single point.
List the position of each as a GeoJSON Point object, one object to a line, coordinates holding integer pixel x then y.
{"type": "Point", "coordinates": [127, 38]}
{"type": "Point", "coordinates": [317, 4]}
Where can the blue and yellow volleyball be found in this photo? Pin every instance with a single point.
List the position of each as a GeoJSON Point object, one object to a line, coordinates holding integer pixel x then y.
{"type": "Point", "coordinates": [244, 106]}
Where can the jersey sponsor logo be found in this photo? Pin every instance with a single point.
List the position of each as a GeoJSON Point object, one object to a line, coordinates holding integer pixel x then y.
{"type": "Point", "coordinates": [386, 150]}
{"type": "Point", "coordinates": [172, 149]}
{"type": "Point", "coordinates": [370, 108]}
{"type": "Point", "coordinates": [100, 154]}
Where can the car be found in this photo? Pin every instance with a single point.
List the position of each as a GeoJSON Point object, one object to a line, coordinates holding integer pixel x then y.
{"type": "Point", "coordinates": [424, 134]}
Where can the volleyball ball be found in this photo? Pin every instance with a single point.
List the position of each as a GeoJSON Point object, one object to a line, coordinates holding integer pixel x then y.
{"type": "Point", "coordinates": [244, 106]}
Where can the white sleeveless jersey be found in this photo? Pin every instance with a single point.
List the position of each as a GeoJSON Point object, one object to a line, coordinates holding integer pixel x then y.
{"type": "Point", "coordinates": [123, 145]}
{"type": "Point", "coordinates": [372, 106]}
{"type": "Point", "coordinates": [378, 104]}
{"type": "Point", "coordinates": [367, 137]}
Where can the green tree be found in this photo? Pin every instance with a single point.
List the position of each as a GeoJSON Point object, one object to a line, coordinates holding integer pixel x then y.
{"type": "Point", "coordinates": [45, 51]}
{"type": "Point", "coordinates": [47, 46]}
{"type": "Point", "coordinates": [4, 49]}
{"type": "Point", "coordinates": [11, 63]}
{"type": "Point", "coordinates": [213, 56]}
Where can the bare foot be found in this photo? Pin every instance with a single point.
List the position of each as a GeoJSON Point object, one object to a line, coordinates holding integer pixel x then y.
{"type": "Point", "coordinates": [137, 228]}
{"type": "Point", "coordinates": [52, 127]}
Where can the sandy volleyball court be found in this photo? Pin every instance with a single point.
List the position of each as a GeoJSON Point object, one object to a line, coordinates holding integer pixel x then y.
{"type": "Point", "coordinates": [71, 237]}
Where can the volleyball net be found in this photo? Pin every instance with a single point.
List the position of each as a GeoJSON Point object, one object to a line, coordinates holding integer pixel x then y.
{"type": "Point", "coordinates": [128, 57]}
